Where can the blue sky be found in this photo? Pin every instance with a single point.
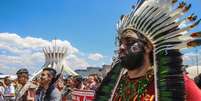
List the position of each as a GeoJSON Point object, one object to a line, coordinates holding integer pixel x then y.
{"type": "Point", "coordinates": [88, 25]}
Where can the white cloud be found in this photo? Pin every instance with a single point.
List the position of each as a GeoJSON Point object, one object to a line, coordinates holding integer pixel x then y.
{"type": "Point", "coordinates": [1, 66]}
{"type": "Point", "coordinates": [11, 40]}
{"type": "Point", "coordinates": [191, 58]}
{"type": "Point", "coordinates": [17, 52]}
{"type": "Point", "coordinates": [10, 59]}
{"type": "Point", "coordinates": [27, 42]}
{"type": "Point", "coordinates": [191, 54]}
{"type": "Point", "coordinates": [74, 61]}
{"type": "Point", "coordinates": [95, 56]}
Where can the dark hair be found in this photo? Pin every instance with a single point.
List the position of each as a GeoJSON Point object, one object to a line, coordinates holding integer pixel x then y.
{"type": "Point", "coordinates": [52, 83]}
{"type": "Point", "coordinates": [8, 79]}
{"type": "Point", "coordinates": [151, 58]}
{"type": "Point", "coordinates": [1, 83]}
{"type": "Point", "coordinates": [48, 92]}
{"type": "Point", "coordinates": [78, 81]}
{"type": "Point", "coordinates": [52, 71]}
{"type": "Point", "coordinates": [96, 77]}
{"type": "Point", "coordinates": [197, 80]}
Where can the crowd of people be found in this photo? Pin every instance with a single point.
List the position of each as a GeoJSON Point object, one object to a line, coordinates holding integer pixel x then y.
{"type": "Point", "coordinates": [49, 86]}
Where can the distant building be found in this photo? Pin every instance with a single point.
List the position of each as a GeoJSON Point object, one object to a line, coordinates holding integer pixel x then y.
{"type": "Point", "coordinates": [89, 70]}
{"type": "Point", "coordinates": [105, 69]}
{"type": "Point", "coordinates": [193, 71]}
{"type": "Point", "coordinates": [102, 71]}
{"type": "Point", "coordinates": [82, 72]}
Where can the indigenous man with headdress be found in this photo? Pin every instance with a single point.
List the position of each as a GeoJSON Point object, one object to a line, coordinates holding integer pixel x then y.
{"type": "Point", "coordinates": [149, 65]}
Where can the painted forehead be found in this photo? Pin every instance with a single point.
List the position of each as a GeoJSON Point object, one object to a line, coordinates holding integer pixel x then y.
{"type": "Point", "coordinates": [132, 34]}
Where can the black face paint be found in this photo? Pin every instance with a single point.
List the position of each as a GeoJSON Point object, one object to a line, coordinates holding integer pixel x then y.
{"type": "Point", "coordinates": [134, 57]}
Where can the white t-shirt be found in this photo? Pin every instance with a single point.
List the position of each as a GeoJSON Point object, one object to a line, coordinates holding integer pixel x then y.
{"type": "Point", "coordinates": [1, 93]}
{"type": "Point", "coordinates": [2, 90]}
{"type": "Point", "coordinates": [9, 90]}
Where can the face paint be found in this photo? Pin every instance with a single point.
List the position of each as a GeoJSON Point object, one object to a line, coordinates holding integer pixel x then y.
{"type": "Point", "coordinates": [133, 57]}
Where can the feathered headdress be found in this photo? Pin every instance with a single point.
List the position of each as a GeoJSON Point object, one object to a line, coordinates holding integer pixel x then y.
{"type": "Point", "coordinates": [164, 27]}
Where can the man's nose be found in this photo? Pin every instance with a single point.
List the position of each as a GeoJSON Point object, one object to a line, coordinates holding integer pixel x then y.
{"type": "Point", "coordinates": [122, 47]}
{"type": "Point", "coordinates": [23, 78]}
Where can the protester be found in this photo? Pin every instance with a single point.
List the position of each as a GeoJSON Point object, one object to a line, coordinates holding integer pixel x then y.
{"type": "Point", "coordinates": [47, 90]}
{"type": "Point", "coordinates": [92, 82]}
{"type": "Point", "coordinates": [25, 91]}
{"type": "Point", "coordinates": [9, 93]}
{"type": "Point", "coordinates": [61, 87]}
{"type": "Point", "coordinates": [60, 84]}
{"type": "Point", "coordinates": [22, 78]}
{"type": "Point", "coordinates": [148, 65]}
{"type": "Point", "coordinates": [69, 86]}
{"type": "Point", "coordinates": [1, 91]}
{"type": "Point", "coordinates": [70, 82]}
{"type": "Point", "coordinates": [78, 82]}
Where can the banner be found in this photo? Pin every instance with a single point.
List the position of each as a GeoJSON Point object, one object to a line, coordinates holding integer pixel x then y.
{"type": "Point", "coordinates": [83, 95]}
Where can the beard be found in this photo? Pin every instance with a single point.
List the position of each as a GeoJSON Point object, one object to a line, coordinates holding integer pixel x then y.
{"type": "Point", "coordinates": [132, 60]}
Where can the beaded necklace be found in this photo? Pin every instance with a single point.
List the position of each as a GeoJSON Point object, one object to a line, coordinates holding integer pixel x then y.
{"type": "Point", "coordinates": [128, 88]}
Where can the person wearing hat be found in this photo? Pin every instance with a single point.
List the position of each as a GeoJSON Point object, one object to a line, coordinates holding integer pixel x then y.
{"type": "Point", "coordinates": [148, 65]}
{"type": "Point", "coordinates": [47, 90]}
{"type": "Point", "coordinates": [22, 76]}
{"type": "Point", "coordinates": [23, 87]}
